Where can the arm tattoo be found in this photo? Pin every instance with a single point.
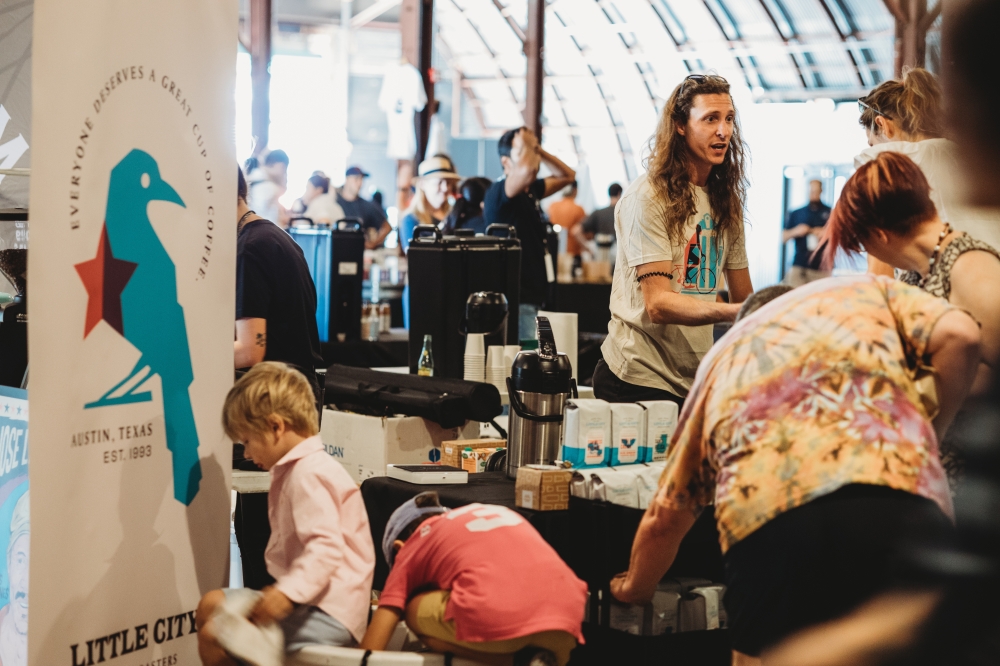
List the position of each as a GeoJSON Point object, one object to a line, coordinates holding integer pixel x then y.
{"type": "Point", "coordinates": [261, 340]}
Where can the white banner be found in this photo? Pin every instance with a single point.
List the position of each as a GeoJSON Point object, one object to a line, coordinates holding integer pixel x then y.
{"type": "Point", "coordinates": [132, 278]}
{"type": "Point", "coordinates": [15, 99]}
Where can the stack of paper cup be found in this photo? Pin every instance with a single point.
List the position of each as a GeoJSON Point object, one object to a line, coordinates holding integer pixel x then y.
{"type": "Point", "coordinates": [509, 354]}
{"type": "Point", "coordinates": [475, 358]}
{"type": "Point", "coordinates": [496, 371]}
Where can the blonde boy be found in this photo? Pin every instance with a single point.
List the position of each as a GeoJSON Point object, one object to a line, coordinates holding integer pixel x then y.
{"type": "Point", "coordinates": [320, 551]}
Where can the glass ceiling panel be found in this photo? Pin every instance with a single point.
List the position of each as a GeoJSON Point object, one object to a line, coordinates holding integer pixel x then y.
{"type": "Point", "coordinates": [811, 21]}
{"type": "Point", "coordinates": [748, 18]}
{"type": "Point", "coordinates": [610, 64]}
{"type": "Point", "coordinates": [869, 15]}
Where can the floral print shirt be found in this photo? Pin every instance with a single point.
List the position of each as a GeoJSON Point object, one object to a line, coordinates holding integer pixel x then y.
{"type": "Point", "coordinates": [807, 395]}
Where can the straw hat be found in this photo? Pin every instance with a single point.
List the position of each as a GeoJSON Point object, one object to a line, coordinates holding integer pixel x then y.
{"type": "Point", "coordinates": [438, 166]}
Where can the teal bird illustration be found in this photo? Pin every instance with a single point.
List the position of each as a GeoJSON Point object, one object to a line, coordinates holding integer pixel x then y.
{"type": "Point", "coordinates": [152, 318]}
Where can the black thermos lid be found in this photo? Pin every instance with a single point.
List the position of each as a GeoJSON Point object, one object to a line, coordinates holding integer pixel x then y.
{"type": "Point", "coordinates": [533, 374]}
{"type": "Point", "coordinates": [545, 370]}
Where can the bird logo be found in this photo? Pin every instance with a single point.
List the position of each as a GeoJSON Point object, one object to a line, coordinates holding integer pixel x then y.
{"type": "Point", "coordinates": [132, 285]}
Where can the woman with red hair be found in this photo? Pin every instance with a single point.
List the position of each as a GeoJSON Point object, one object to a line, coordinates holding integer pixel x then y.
{"type": "Point", "coordinates": [886, 210]}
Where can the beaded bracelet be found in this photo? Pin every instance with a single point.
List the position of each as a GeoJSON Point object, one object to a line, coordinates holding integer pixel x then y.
{"type": "Point", "coordinates": [640, 278]}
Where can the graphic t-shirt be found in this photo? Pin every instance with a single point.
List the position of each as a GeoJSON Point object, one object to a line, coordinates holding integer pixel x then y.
{"type": "Point", "coordinates": [807, 395]}
{"type": "Point", "coordinates": [273, 283]}
{"type": "Point", "coordinates": [505, 581]}
{"type": "Point", "coordinates": [664, 356]}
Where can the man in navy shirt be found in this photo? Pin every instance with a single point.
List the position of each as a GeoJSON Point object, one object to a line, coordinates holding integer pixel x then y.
{"type": "Point", "coordinates": [516, 200]}
{"type": "Point", "coordinates": [372, 217]}
{"type": "Point", "coordinates": [805, 226]}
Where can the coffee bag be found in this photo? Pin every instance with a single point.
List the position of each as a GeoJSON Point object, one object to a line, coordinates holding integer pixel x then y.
{"type": "Point", "coordinates": [627, 429]}
{"type": "Point", "coordinates": [661, 423]}
{"type": "Point", "coordinates": [586, 433]}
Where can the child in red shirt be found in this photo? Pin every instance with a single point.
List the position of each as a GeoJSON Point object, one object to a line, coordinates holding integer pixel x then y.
{"type": "Point", "coordinates": [477, 582]}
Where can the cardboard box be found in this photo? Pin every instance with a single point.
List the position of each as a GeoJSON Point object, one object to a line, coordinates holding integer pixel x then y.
{"type": "Point", "coordinates": [701, 608]}
{"type": "Point", "coordinates": [364, 445]}
{"type": "Point", "coordinates": [630, 618]}
{"type": "Point", "coordinates": [451, 450]}
{"type": "Point", "coordinates": [542, 488]}
{"type": "Point", "coordinates": [474, 460]}
{"type": "Point", "coordinates": [665, 615]}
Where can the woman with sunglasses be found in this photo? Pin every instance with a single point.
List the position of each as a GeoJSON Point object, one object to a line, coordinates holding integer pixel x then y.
{"type": "Point", "coordinates": [905, 116]}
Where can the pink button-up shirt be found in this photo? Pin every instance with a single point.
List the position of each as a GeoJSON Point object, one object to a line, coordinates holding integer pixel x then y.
{"type": "Point", "coordinates": [320, 550]}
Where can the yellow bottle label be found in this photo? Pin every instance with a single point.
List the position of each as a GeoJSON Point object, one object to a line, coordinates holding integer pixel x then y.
{"type": "Point", "coordinates": [425, 372]}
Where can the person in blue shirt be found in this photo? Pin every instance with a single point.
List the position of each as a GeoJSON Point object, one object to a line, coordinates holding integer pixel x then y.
{"type": "Point", "coordinates": [515, 200]}
{"type": "Point", "coordinates": [436, 176]}
{"type": "Point", "coordinates": [805, 226]}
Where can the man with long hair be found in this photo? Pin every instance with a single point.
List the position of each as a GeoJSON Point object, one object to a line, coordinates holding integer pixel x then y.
{"type": "Point", "coordinates": [680, 241]}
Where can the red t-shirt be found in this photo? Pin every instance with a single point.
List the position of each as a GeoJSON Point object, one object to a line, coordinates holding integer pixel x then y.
{"type": "Point", "coordinates": [505, 581]}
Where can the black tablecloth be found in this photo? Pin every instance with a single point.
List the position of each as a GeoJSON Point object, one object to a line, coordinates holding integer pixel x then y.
{"type": "Point", "coordinates": [594, 538]}
{"type": "Point", "coordinates": [390, 350]}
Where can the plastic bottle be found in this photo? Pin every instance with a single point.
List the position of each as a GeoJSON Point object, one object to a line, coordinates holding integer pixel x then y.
{"type": "Point", "coordinates": [425, 367]}
{"type": "Point", "coordinates": [373, 322]}
{"type": "Point", "coordinates": [365, 321]}
{"type": "Point", "coordinates": [385, 317]}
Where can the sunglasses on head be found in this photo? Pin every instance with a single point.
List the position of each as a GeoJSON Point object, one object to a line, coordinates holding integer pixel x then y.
{"type": "Point", "coordinates": [698, 79]}
{"type": "Point", "coordinates": [862, 105]}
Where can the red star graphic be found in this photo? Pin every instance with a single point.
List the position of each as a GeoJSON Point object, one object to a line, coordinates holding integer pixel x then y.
{"type": "Point", "coordinates": [105, 278]}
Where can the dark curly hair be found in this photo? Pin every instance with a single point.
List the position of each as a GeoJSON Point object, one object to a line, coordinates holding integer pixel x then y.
{"type": "Point", "coordinates": [669, 159]}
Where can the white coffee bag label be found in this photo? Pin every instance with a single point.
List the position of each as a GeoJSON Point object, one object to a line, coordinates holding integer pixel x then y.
{"type": "Point", "coordinates": [595, 447]}
{"type": "Point", "coordinates": [628, 445]}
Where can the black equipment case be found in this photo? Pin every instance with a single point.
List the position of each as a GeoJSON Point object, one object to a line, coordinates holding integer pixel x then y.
{"type": "Point", "coordinates": [443, 271]}
{"type": "Point", "coordinates": [336, 262]}
{"type": "Point", "coordinates": [447, 402]}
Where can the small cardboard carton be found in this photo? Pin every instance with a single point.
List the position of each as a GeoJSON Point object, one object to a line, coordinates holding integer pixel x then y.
{"type": "Point", "coordinates": [474, 460]}
{"type": "Point", "coordinates": [542, 488]}
{"type": "Point", "coordinates": [451, 450]}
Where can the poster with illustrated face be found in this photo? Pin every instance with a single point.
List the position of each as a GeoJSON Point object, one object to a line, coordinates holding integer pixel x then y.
{"type": "Point", "coordinates": [15, 526]}
{"type": "Point", "coordinates": [132, 282]}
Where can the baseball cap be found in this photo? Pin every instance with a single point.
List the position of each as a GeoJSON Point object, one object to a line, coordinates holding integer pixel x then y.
{"type": "Point", "coordinates": [399, 520]}
{"type": "Point", "coordinates": [356, 171]}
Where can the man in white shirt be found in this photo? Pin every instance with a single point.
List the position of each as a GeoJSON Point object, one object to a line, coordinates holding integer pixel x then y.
{"type": "Point", "coordinates": [680, 241]}
{"type": "Point", "coordinates": [268, 182]}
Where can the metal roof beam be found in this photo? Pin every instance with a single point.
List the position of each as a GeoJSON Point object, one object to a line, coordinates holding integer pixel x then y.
{"type": "Point", "coordinates": [504, 12]}
{"type": "Point", "coordinates": [785, 40]}
{"type": "Point", "coordinates": [366, 16]}
{"type": "Point", "coordinates": [929, 18]}
{"type": "Point", "coordinates": [895, 10]}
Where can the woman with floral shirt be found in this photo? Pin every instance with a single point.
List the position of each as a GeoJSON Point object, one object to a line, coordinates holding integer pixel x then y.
{"type": "Point", "coordinates": [808, 431]}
